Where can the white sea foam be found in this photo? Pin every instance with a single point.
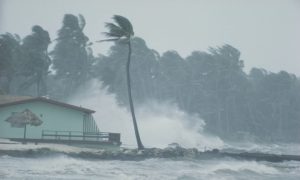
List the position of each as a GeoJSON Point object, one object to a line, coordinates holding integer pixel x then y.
{"type": "Point", "coordinates": [160, 123]}
{"type": "Point", "coordinates": [238, 166]}
{"type": "Point", "coordinates": [63, 167]}
{"type": "Point", "coordinates": [279, 148]}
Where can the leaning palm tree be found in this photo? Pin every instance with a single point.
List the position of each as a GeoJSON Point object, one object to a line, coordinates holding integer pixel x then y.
{"type": "Point", "coordinates": [122, 31]}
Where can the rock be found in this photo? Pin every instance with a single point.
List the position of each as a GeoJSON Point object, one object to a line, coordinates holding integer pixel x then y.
{"type": "Point", "coordinates": [134, 154]}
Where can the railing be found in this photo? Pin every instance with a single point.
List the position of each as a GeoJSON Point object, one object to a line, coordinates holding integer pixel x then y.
{"type": "Point", "coordinates": [83, 136]}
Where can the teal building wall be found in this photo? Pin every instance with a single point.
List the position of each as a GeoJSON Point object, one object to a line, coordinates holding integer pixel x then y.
{"type": "Point", "coordinates": [54, 117]}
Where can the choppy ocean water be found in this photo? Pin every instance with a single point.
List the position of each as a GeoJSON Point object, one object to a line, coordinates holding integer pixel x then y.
{"type": "Point", "coordinates": [64, 167]}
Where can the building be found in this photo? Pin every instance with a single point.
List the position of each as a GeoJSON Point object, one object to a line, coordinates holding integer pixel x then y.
{"type": "Point", "coordinates": [61, 122]}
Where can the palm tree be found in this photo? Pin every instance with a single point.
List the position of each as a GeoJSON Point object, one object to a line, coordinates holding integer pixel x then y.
{"type": "Point", "coordinates": [122, 31]}
{"type": "Point", "coordinates": [36, 59]}
{"type": "Point", "coordinates": [10, 53]}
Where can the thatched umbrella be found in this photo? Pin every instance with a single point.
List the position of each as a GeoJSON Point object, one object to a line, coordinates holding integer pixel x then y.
{"type": "Point", "coordinates": [21, 119]}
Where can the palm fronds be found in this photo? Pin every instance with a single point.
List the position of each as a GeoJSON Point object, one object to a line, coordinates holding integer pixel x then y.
{"type": "Point", "coordinates": [114, 30]}
{"type": "Point", "coordinates": [121, 29]}
{"type": "Point", "coordinates": [81, 22]}
{"type": "Point", "coordinates": [107, 40]}
{"type": "Point", "coordinates": [124, 23]}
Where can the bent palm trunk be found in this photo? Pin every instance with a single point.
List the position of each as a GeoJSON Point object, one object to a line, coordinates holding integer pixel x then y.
{"type": "Point", "coordinates": [136, 130]}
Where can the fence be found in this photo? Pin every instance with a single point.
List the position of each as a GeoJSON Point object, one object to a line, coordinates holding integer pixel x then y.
{"type": "Point", "coordinates": [83, 136]}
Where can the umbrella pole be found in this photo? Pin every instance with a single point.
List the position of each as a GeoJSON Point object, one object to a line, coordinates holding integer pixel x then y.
{"type": "Point", "coordinates": [24, 133]}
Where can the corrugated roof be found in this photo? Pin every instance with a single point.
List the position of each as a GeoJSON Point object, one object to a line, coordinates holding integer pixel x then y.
{"type": "Point", "coordinates": [13, 100]}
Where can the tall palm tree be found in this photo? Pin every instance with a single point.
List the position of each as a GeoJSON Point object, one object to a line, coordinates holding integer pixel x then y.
{"type": "Point", "coordinates": [122, 31]}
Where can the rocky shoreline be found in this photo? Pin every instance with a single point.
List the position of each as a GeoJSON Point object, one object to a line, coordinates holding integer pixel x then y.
{"type": "Point", "coordinates": [136, 155]}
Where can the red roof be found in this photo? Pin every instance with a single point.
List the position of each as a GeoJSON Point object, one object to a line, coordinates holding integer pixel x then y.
{"type": "Point", "coordinates": [10, 100]}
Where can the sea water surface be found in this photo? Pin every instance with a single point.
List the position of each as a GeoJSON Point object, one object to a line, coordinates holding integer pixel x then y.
{"type": "Point", "coordinates": [59, 166]}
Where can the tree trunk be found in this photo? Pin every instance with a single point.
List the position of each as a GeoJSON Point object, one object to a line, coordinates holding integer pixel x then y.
{"type": "Point", "coordinates": [38, 86]}
{"type": "Point", "coordinates": [136, 130]}
{"type": "Point", "coordinates": [24, 133]}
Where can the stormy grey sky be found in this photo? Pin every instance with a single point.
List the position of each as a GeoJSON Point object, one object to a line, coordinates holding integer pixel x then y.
{"type": "Point", "coordinates": [265, 31]}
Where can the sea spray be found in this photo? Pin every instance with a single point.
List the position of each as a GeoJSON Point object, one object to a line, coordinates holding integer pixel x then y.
{"type": "Point", "coordinates": [163, 123]}
{"type": "Point", "coordinates": [160, 123]}
{"type": "Point", "coordinates": [65, 167]}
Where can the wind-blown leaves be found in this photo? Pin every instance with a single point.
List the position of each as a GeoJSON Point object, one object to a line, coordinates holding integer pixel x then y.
{"type": "Point", "coordinates": [124, 23]}
{"type": "Point", "coordinates": [81, 22]}
{"type": "Point", "coordinates": [114, 30]}
{"type": "Point", "coordinates": [10, 55]}
{"type": "Point", "coordinates": [71, 56]}
{"type": "Point", "coordinates": [35, 59]}
{"type": "Point", "coordinates": [107, 40]}
{"type": "Point", "coordinates": [121, 29]}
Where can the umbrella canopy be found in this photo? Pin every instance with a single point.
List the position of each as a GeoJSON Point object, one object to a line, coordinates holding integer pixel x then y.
{"type": "Point", "coordinates": [16, 120]}
{"type": "Point", "coordinates": [20, 119]}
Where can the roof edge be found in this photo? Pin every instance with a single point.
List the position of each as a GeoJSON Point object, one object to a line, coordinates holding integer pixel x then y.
{"type": "Point", "coordinates": [51, 101]}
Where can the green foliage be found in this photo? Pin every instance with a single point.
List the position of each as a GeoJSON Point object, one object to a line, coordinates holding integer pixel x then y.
{"type": "Point", "coordinates": [35, 60]}
{"type": "Point", "coordinates": [70, 56]}
{"type": "Point", "coordinates": [10, 54]}
{"type": "Point", "coordinates": [262, 105]}
{"type": "Point", "coordinates": [122, 28]}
